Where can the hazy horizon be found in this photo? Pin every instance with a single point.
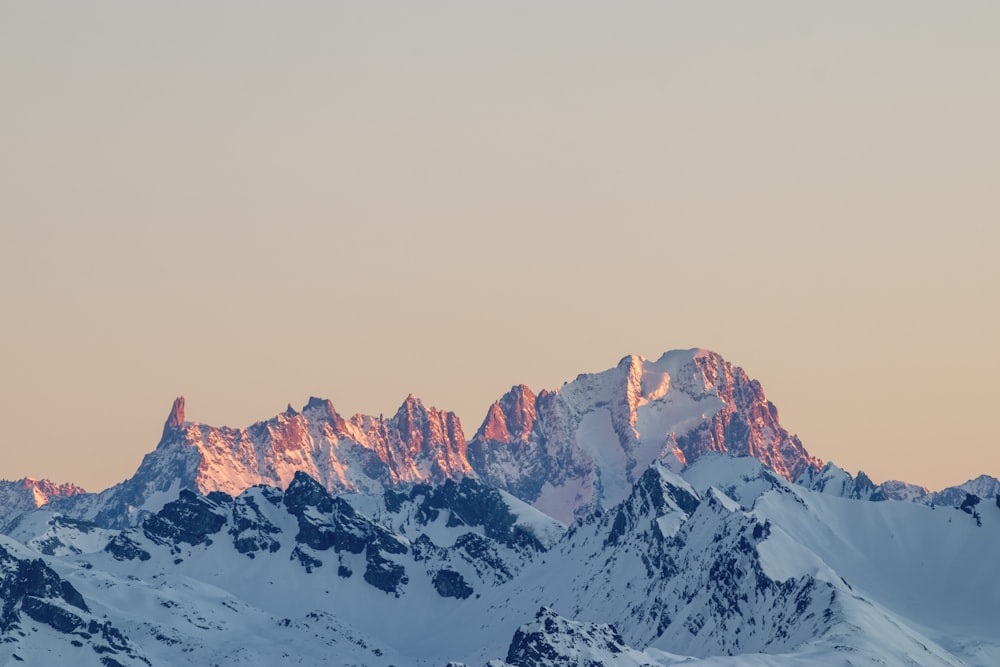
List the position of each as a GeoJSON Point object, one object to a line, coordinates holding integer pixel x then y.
{"type": "Point", "coordinates": [248, 204]}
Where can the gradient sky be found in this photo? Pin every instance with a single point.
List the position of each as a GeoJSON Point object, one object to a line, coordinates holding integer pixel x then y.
{"type": "Point", "coordinates": [249, 203]}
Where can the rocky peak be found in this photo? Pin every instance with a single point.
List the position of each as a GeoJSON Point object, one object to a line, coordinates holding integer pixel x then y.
{"type": "Point", "coordinates": [747, 423]}
{"type": "Point", "coordinates": [411, 415]}
{"type": "Point", "coordinates": [494, 427]}
{"type": "Point", "coordinates": [833, 480]}
{"type": "Point", "coordinates": [581, 446]}
{"type": "Point", "coordinates": [511, 418]}
{"type": "Point", "coordinates": [657, 493]}
{"type": "Point", "coordinates": [43, 490]}
{"type": "Point", "coordinates": [322, 410]}
{"type": "Point", "coordinates": [303, 492]}
{"type": "Point", "coordinates": [679, 407]}
{"type": "Point", "coordinates": [418, 438]}
{"type": "Point", "coordinates": [176, 416]}
{"type": "Point", "coordinates": [983, 486]}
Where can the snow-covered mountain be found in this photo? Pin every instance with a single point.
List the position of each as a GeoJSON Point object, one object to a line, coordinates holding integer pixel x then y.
{"type": "Point", "coordinates": [836, 481]}
{"type": "Point", "coordinates": [363, 453]}
{"type": "Point", "coordinates": [44, 620]}
{"type": "Point", "coordinates": [583, 446]}
{"type": "Point", "coordinates": [644, 515]}
{"type": "Point", "coordinates": [728, 563]}
{"type": "Point", "coordinates": [27, 494]}
{"type": "Point", "coordinates": [566, 451]}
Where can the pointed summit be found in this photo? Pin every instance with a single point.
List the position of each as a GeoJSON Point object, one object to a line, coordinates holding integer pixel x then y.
{"type": "Point", "coordinates": [176, 416]}
{"type": "Point", "coordinates": [510, 418]}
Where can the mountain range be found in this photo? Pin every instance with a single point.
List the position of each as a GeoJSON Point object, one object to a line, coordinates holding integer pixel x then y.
{"type": "Point", "coordinates": [656, 513]}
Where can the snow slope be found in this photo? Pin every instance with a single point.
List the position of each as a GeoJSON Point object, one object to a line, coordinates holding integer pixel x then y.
{"type": "Point", "coordinates": [728, 563]}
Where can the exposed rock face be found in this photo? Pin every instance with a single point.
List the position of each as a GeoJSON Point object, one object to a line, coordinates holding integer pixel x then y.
{"type": "Point", "coordinates": [365, 454]}
{"type": "Point", "coordinates": [417, 444]}
{"type": "Point", "coordinates": [28, 493]}
{"type": "Point", "coordinates": [471, 503]}
{"type": "Point", "coordinates": [252, 531]}
{"type": "Point", "coordinates": [511, 418]}
{"type": "Point", "coordinates": [747, 424]}
{"type": "Point", "coordinates": [584, 445]}
{"type": "Point", "coordinates": [34, 597]}
{"type": "Point", "coordinates": [176, 416]}
{"type": "Point", "coordinates": [191, 519]}
{"type": "Point", "coordinates": [451, 584]}
{"type": "Point", "coordinates": [553, 641]}
{"type": "Point", "coordinates": [728, 559]}
{"type": "Point", "coordinates": [836, 481]}
{"type": "Point", "coordinates": [323, 533]}
{"type": "Point", "coordinates": [567, 451]}
{"type": "Point", "coordinates": [25, 582]}
{"type": "Point", "coordinates": [122, 547]}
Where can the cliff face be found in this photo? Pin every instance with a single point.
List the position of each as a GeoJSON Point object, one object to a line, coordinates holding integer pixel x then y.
{"type": "Point", "coordinates": [566, 451]}
{"type": "Point", "coordinates": [747, 424]}
{"type": "Point", "coordinates": [362, 453]}
{"type": "Point", "coordinates": [585, 444]}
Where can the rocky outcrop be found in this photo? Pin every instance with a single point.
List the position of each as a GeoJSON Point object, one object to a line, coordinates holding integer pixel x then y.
{"type": "Point", "coordinates": [191, 519]}
{"type": "Point", "coordinates": [451, 584]}
{"type": "Point", "coordinates": [553, 641]}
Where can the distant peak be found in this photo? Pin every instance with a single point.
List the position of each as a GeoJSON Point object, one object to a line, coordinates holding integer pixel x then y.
{"type": "Point", "coordinates": [318, 404]}
{"type": "Point", "coordinates": [630, 360]}
{"type": "Point", "coordinates": [410, 409]}
{"type": "Point", "coordinates": [290, 411]}
{"type": "Point", "coordinates": [411, 402]}
{"type": "Point", "coordinates": [43, 490]}
{"type": "Point", "coordinates": [176, 416]}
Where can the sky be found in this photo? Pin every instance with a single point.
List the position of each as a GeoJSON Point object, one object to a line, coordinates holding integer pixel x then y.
{"type": "Point", "coordinates": [249, 203]}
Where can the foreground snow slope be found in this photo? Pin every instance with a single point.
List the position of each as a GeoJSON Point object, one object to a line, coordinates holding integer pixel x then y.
{"type": "Point", "coordinates": [726, 564]}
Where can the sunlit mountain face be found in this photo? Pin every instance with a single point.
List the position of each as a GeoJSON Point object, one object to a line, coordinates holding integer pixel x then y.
{"type": "Point", "coordinates": [656, 513]}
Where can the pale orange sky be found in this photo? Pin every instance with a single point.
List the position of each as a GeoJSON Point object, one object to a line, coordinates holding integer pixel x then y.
{"type": "Point", "coordinates": [249, 203]}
